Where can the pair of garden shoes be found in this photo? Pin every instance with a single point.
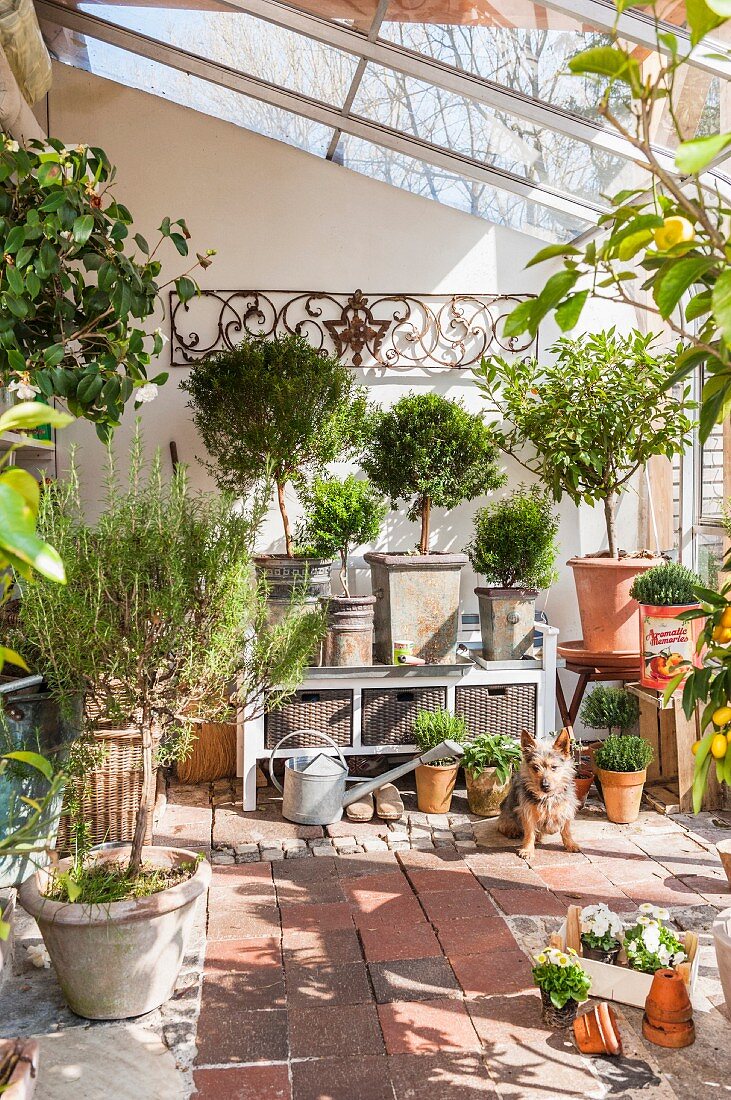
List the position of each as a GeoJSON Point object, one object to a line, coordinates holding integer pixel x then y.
{"type": "Point", "coordinates": [388, 805]}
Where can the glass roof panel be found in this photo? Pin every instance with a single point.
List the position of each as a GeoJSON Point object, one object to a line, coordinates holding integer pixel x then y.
{"type": "Point", "coordinates": [454, 190]}
{"type": "Point", "coordinates": [134, 71]}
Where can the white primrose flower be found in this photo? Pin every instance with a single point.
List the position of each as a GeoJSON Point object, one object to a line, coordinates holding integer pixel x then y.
{"type": "Point", "coordinates": [651, 938]}
{"type": "Point", "coordinates": [146, 393]}
{"type": "Point", "coordinates": [644, 920]}
{"type": "Point", "coordinates": [23, 389]}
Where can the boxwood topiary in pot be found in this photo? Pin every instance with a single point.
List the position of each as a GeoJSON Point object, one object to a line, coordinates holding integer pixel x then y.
{"type": "Point", "coordinates": [667, 639]}
{"type": "Point", "coordinates": [435, 781]}
{"type": "Point", "coordinates": [514, 548]}
{"type": "Point", "coordinates": [431, 452]}
{"type": "Point", "coordinates": [488, 762]}
{"type": "Point", "coordinates": [621, 763]}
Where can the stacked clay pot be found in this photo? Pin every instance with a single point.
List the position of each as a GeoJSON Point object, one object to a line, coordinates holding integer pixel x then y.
{"type": "Point", "coordinates": [668, 1018]}
{"type": "Point", "coordinates": [597, 1031]}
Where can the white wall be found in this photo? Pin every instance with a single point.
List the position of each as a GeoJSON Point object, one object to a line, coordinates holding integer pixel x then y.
{"type": "Point", "coordinates": [282, 219]}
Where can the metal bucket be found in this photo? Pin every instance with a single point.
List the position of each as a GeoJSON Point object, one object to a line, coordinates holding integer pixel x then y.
{"type": "Point", "coordinates": [309, 798]}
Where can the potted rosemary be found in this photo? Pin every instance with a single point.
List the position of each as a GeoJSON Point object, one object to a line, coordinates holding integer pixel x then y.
{"type": "Point", "coordinates": [489, 761]}
{"type": "Point", "coordinates": [435, 781]}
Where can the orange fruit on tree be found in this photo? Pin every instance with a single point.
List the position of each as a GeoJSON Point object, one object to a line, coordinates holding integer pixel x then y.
{"type": "Point", "coordinates": [721, 634]}
{"type": "Point", "coordinates": [722, 716]}
{"type": "Point", "coordinates": [725, 619]}
{"type": "Point", "coordinates": [719, 746]}
{"type": "Point", "coordinates": [694, 747]}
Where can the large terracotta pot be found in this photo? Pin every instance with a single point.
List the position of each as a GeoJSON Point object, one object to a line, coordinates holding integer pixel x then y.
{"type": "Point", "coordinates": [722, 942]}
{"type": "Point", "coordinates": [484, 794]}
{"type": "Point", "coordinates": [121, 959]}
{"type": "Point", "coordinates": [609, 617]}
{"type": "Point", "coordinates": [506, 622]}
{"type": "Point", "coordinates": [622, 794]}
{"type": "Point", "coordinates": [434, 786]}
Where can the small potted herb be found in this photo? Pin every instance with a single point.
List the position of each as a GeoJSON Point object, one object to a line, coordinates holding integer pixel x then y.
{"type": "Point", "coordinates": [667, 639]}
{"type": "Point", "coordinates": [488, 763]}
{"type": "Point", "coordinates": [612, 709]}
{"type": "Point", "coordinates": [649, 945]}
{"type": "Point", "coordinates": [621, 764]}
{"type": "Point", "coordinates": [435, 782]}
{"type": "Point", "coordinates": [341, 514]}
{"type": "Point", "coordinates": [563, 983]}
{"type": "Point", "coordinates": [514, 548]}
{"type": "Point", "coordinates": [601, 930]}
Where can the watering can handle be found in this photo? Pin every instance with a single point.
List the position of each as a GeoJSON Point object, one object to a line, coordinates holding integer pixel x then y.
{"type": "Point", "coordinates": [298, 733]}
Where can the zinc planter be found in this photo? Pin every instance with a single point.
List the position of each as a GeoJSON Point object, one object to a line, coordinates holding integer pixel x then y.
{"type": "Point", "coordinates": [484, 794]}
{"type": "Point", "coordinates": [434, 787]}
{"type": "Point", "coordinates": [722, 941]}
{"type": "Point", "coordinates": [285, 576]}
{"type": "Point", "coordinates": [417, 597]}
{"type": "Point", "coordinates": [349, 638]}
{"type": "Point", "coordinates": [622, 794]}
{"type": "Point", "coordinates": [666, 643]}
{"type": "Point", "coordinates": [121, 959]}
{"type": "Point", "coordinates": [609, 616]}
{"type": "Point", "coordinates": [506, 622]}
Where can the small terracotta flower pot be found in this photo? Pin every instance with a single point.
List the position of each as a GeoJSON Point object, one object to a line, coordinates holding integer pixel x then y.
{"type": "Point", "coordinates": [22, 1082]}
{"type": "Point", "coordinates": [582, 783]}
{"type": "Point", "coordinates": [557, 1018]}
{"type": "Point", "coordinates": [597, 1031]}
{"type": "Point", "coordinates": [484, 794]}
{"type": "Point", "coordinates": [668, 1018]}
{"type": "Point", "coordinates": [434, 786]}
{"type": "Point", "coordinates": [622, 794]}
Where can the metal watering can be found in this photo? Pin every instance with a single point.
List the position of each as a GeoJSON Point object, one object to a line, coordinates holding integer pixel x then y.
{"type": "Point", "coordinates": [314, 786]}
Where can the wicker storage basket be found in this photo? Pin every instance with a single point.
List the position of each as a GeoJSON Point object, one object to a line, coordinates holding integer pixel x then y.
{"type": "Point", "coordinates": [497, 708]}
{"type": "Point", "coordinates": [387, 714]}
{"type": "Point", "coordinates": [113, 791]}
{"type": "Point", "coordinates": [330, 711]}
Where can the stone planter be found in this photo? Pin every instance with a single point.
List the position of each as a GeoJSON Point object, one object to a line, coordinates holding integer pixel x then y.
{"type": "Point", "coordinates": [484, 794]}
{"type": "Point", "coordinates": [23, 1077]}
{"type": "Point", "coordinates": [609, 617]}
{"type": "Point", "coordinates": [121, 959]}
{"type": "Point", "coordinates": [434, 787]}
{"type": "Point", "coordinates": [506, 622]}
{"type": "Point", "coordinates": [284, 576]}
{"type": "Point", "coordinates": [417, 597]}
{"type": "Point", "coordinates": [349, 638]}
{"type": "Point", "coordinates": [622, 794]}
{"type": "Point", "coordinates": [722, 942]}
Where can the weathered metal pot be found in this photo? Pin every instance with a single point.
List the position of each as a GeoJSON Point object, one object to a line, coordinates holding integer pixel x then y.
{"type": "Point", "coordinates": [484, 794]}
{"type": "Point", "coordinates": [349, 638]}
{"type": "Point", "coordinates": [121, 959]}
{"type": "Point", "coordinates": [506, 622]}
{"type": "Point", "coordinates": [286, 576]}
{"type": "Point", "coordinates": [417, 597]}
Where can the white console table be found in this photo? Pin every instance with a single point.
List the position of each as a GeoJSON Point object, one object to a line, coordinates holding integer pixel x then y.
{"type": "Point", "coordinates": [361, 702]}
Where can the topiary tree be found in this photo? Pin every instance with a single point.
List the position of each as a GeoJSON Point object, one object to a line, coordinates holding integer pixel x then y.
{"type": "Point", "coordinates": [514, 544]}
{"type": "Point", "coordinates": [610, 708]}
{"type": "Point", "coordinates": [74, 295]}
{"type": "Point", "coordinates": [430, 451]}
{"type": "Point", "coordinates": [338, 516]}
{"type": "Point", "coordinates": [593, 416]}
{"type": "Point", "coordinates": [272, 411]}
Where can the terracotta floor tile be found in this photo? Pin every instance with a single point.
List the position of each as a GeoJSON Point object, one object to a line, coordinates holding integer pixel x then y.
{"type": "Point", "coordinates": [457, 904]}
{"type": "Point", "coordinates": [440, 1076]}
{"type": "Point", "coordinates": [314, 917]}
{"type": "Point", "coordinates": [497, 971]}
{"type": "Point", "coordinates": [714, 888]}
{"type": "Point", "coordinates": [383, 943]}
{"type": "Point", "coordinates": [304, 870]}
{"type": "Point", "coordinates": [617, 902]}
{"type": "Point", "coordinates": [334, 1032]}
{"type": "Point", "coordinates": [341, 945]}
{"type": "Point", "coordinates": [529, 902]}
{"type": "Point", "coordinates": [456, 877]}
{"type": "Point", "coordinates": [240, 874]}
{"type": "Point", "coordinates": [241, 1035]}
{"type": "Point", "coordinates": [401, 911]}
{"type": "Point", "coordinates": [344, 984]}
{"type": "Point", "coordinates": [316, 892]}
{"type": "Point", "coordinates": [365, 886]}
{"type": "Point", "coordinates": [413, 1027]}
{"type": "Point", "coordinates": [413, 980]}
{"type": "Point", "coordinates": [667, 890]}
{"type": "Point", "coordinates": [503, 870]}
{"type": "Point", "coordinates": [368, 863]}
{"type": "Point", "coordinates": [243, 1083]}
{"type": "Point", "coordinates": [437, 860]}
{"type": "Point", "coordinates": [242, 924]}
{"type": "Point", "coordinates": [234, 956]}
{"type": "Point", "coordinates": [472, 937]}
{"type": "Point", "coordinates": [364, 1078]}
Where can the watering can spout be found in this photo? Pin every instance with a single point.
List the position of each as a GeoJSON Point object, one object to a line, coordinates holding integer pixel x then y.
{"type": "Point", "coordinates": [442, 751]}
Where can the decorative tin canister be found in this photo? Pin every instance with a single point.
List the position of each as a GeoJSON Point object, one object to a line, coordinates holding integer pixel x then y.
{"type": "Point", "coordinates": [402, 649]}
{"type": "Point", "coordinates": [667, 643]}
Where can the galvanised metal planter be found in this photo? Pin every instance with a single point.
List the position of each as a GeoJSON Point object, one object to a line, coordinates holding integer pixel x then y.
{"type": "Point", "coordinates": [284, 576]}
{"type": "Point", "coordinates": [417, 597]}
{"type": "Point", "coordinates": [506, 622]}
{"type": "Point", "coordinates": [349, 638]}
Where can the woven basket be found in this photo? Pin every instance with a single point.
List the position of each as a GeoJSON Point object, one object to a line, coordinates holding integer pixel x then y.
{"type": "Point", "coordinates": [213, 755]}
{"type": "Point", "coordinates": [498, 708]}
{"type": "Point", "coordinates": [113, 792]}
{"type": "Point", "coordinates": [388, 714]}
{"type": "Point", "coordinates": [330, 711]}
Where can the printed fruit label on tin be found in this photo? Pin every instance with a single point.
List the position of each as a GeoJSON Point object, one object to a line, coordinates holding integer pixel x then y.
{"type": "Point", "coordinates": [667, 645]}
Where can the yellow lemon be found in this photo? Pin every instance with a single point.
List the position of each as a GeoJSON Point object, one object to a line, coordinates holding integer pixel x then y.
{"type": "Point", "coordinates": [674, 230]}
{"type": "Point", "coordinates": [719, 745]}
{"type": "Point", "coordinates": [721, 634]}
{"type": "Point", "coordinates": [728, 737]}
{"type": "Point", "coordinates": [722, 716]}
{"type": "Point", "coordinates": [694, 748]}
{"type": "Point", "coordinates": [725, 619]}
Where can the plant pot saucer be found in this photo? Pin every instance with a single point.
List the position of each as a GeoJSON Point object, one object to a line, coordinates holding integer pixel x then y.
{"type": "Point", "coordinates": [579, 654]}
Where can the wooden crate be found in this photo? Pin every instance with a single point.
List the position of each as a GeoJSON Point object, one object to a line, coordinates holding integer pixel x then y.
{"type": "Point", "coordinates": [669, 786]}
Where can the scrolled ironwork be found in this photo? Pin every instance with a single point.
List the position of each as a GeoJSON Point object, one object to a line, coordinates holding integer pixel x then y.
{"type": "Point", "coordinates": [375, 330]}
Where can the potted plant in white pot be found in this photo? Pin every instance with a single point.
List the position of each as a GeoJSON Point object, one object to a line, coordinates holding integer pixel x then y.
{"type": "Point", "coordinates": [667, 639]}
{"type": "Point", "coordinates": [272, 412]}
{"type": "Point", "coordinates": [153, 626]}
{"type": "Point", "coordinates": [435, 781]}
{"type": "Point", "coordinates": [593, 417]}
{"type": "Point", "coordinates": [489, 761]}
{"type": "Point", "coordinates": [621, 763]}
{"type": "Point", "coordinates": [431, 452]}
{"type": "Point", "coordinates": [340, 515]}
{"type": "Point", "coordinates": [514, 548]}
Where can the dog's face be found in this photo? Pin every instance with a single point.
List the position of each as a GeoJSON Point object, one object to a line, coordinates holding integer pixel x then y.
{"type": "Point", "coordinates": [547, 769]}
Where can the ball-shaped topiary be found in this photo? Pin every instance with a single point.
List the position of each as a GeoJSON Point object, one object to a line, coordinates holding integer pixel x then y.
{"type": "Point", "coordinates": [429, 451]}
{"type": "Point", "coordinates": [610, 708]}
{"type": "Point", "coordinates": [338, 516]}
{"type": "Point", "coordinates": [514, 544]}
{"type": "Point", "coordinates": [667, 585]}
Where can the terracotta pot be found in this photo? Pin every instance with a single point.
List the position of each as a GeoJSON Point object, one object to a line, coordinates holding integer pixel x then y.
{"type": "Point", "coordinates": [722, 943]}
{"type": "Point", "coordinates": [599, 955]}
{"type": "Point", "coordinates": [484, 794]}
{"type": "Point", "coordinates": [724, 850]}
{"type": "Point", "coordinates": [582, 785]}
{"type": "Point", "coordinates": [349, 638]}
{"type": "Point", "coordinates": [434, 786]}
{"type": "Point", "coordinates": [121, 959]}
{"type": "Point", "coordinates": [507, 616]}
{"type": "Point", "coordinates": [622, 794]}
{"type": "Point", "coordinates": [557, 1018]}
{"type": "Point", "coordinates": [22, 1083]}
{"type": "Point", "coordinates": [597, 1031]}
{"type": "Point", "coordinates": [610, 619]}
{"type": "Point", "coordinates": [668, 1018]}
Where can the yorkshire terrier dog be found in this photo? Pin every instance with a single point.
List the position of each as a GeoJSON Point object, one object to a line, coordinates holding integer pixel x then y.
{"type": "Point", "coordinates": [542, 798]}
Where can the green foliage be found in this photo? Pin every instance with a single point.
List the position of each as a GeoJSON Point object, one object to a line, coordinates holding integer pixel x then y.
{"type": "Point", "coordinates": [492, 750]}
{"type": "Point", "coordinates": [665, 585]}
{"type": "Point", "coordinates": [610, 708]}
{"type": "Point", "coordinates": [339, 515]}
{"type": "Point", "coordinates": [514, 544]}
{"type": "Point", "coordinates": [626, 753]}
{"type": "Point", "coordinates": [105, 883]}
{"type": "Point", "coordinates": [274, 410]}
{"type": "Point", "coordinates": [650, 946]}
{"type": "Point", "coordinates": [431, 727]}
{"type": "Point", "coordinates": [560, 975]}
{"type": "Point", "coordinates": [429, 450]}
{"type": "Point", "coordinates": [593, 416]}
{"type": "Point", "coordinates": [74, 296]}
{"type": "Point", "coordinates": [663, 245]}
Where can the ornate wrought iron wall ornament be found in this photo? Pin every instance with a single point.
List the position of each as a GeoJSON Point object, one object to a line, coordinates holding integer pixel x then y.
{"type": "Point", "coordinates": [377, 330]}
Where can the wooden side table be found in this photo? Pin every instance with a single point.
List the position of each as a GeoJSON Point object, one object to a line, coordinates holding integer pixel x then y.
{"type": "Point", "coordinates": [589, 674]}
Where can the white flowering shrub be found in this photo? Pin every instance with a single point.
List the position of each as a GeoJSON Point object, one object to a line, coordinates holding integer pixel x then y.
{"type": "Point", "coordinates": [649, 944]}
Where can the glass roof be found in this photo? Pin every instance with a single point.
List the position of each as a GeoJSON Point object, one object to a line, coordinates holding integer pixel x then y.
{"type": "Point", "coordinates": [466, 102]}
